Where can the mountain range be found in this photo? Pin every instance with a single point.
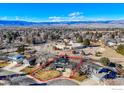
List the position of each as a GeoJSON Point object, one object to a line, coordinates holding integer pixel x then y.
{"type": "Point", "coordinates": [26, 23]}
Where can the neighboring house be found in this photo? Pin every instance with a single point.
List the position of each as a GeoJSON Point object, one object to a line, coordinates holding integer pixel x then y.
{"type": "Point", "coordinates": [32, 61]}
{"type": "Point", "coordinates": [71, 45]}
{"type": "Point", "coordinates": [60, 46]}
{"type": "Point", "coordinates": [104, 73]}
{"type": "Point", "coordinates": [111, 42]}
{"type": "Point", "coordinates": [75, 45]}
{"type": "Point", "coordinates": [17, 58]}
{"type": "Point", "coordinates": [39, 41]}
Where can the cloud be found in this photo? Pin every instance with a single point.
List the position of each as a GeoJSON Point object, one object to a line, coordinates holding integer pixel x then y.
{"type": "Point", "coordinates": [18, 18]}
{"type": "Point", "coordinates": [79, 16]}
{"type": "Point", "coordinates": [55, 18]}
{"type": "Point", "coordinates": [10, 18]}
{"type": "Point", "coordinates": [3, 18]}
{"type": "Point", "coordinates": [75, 14]}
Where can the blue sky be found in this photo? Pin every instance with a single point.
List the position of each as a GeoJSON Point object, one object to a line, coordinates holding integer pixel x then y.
{"type": "Point", "coordinates": [61, 12]}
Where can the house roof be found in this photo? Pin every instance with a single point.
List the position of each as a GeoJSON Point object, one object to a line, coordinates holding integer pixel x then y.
{"type": "Point", "coordinates": [112, 40]}
{"type": "Point", "coordinates": [18, 57]}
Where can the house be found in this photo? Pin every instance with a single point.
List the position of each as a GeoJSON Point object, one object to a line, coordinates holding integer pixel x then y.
{"type": "Point", "coordinates": [110, 74]}
{"type": "Point", "coordinates": [75, 45]}
{"type": "Point", "coordinates": [104, 73]}
{"type": "Point", "coordinates": [70, 45]}
{"type": "Point", "coordinates": [39, 41]}
{"type": "Point", "coordinates": [60, 46]}
{"type": "Point", "coordinates": [111, 42]}
{"type": "Point", "coordinates": [17, 58]}
{"type": "Point", "coordinates": [32, 60]}
{"type": "Point", "coordinates": [61, 63]}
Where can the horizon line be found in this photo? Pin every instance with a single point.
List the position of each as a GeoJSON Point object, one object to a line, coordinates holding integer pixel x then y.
{"type": "Point", "coordinates": [64, 20]}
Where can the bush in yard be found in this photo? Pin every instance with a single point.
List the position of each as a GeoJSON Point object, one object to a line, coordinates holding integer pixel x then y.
{"type": "Point", "coordinates": [105, 61]}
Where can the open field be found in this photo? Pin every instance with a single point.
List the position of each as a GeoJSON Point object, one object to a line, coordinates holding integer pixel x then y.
{"type": "Point", "coordinates": [109, 52]}
{"type": "Point", "coordinates": [105, 52]}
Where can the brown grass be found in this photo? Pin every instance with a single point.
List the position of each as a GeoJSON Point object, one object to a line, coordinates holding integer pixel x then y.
{"type": "Point", "coordinates": [79, 77]}
{"type": "Point", "coordinates": [46, 75]}
{"type": "Point", "coordinates": [3, 64]}
{"type": "Point", "coordinates": [28, 69]}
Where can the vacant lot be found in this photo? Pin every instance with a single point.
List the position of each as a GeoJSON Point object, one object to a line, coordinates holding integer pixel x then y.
{"type": "Point", "coordinates": [46, 75]}
{"type": "Point", "coordinates": [109, 52]}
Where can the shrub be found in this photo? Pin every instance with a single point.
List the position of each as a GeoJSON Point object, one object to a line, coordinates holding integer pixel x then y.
{"type": "Point", "coordinates": [20, 49]}
{"type": "Point", "coordinates": [120, 49]}
{"type": "Point", "coordinates": [79, 39]}
{"type": "Point", "coordinates": [86, 42]}
{"type": "Point", "coordinates": [98, 54]}
{"type": "Point", "coordinates": [105, 61]}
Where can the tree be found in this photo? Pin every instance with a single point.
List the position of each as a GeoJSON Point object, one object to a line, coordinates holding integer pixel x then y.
{"type": "Point", "coordinates": [120, 49]}
{"type": "Point", "coordinates": [74, 52]}
{"type": "Point", "coordinates": [105, 61]}
{"type": "Point", "coordinates": [86, 42]}
{"type": "Point", "coordinates": [29, 40]}
{"type": "Point", "coordinates": [9, 36]}
{"type": "Point", "coordinates": [79, 38]}
{"type": "Point", "coordinates": [81, 73]}
{"type": "Point", "coordinates": [82, 52]}
{"type": "Point", "coordinates": [32, 62]}
{"type": "Point", "coordinates": [98, 54]}
{"type": "Point", "coordinates": [21, 49]}
{"type": "Point", "coordinates": [87, 32]}
{"type": "Point", "coordinates": [100, 34]}
{"type": "Point", "coordinates": [112, 36]}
